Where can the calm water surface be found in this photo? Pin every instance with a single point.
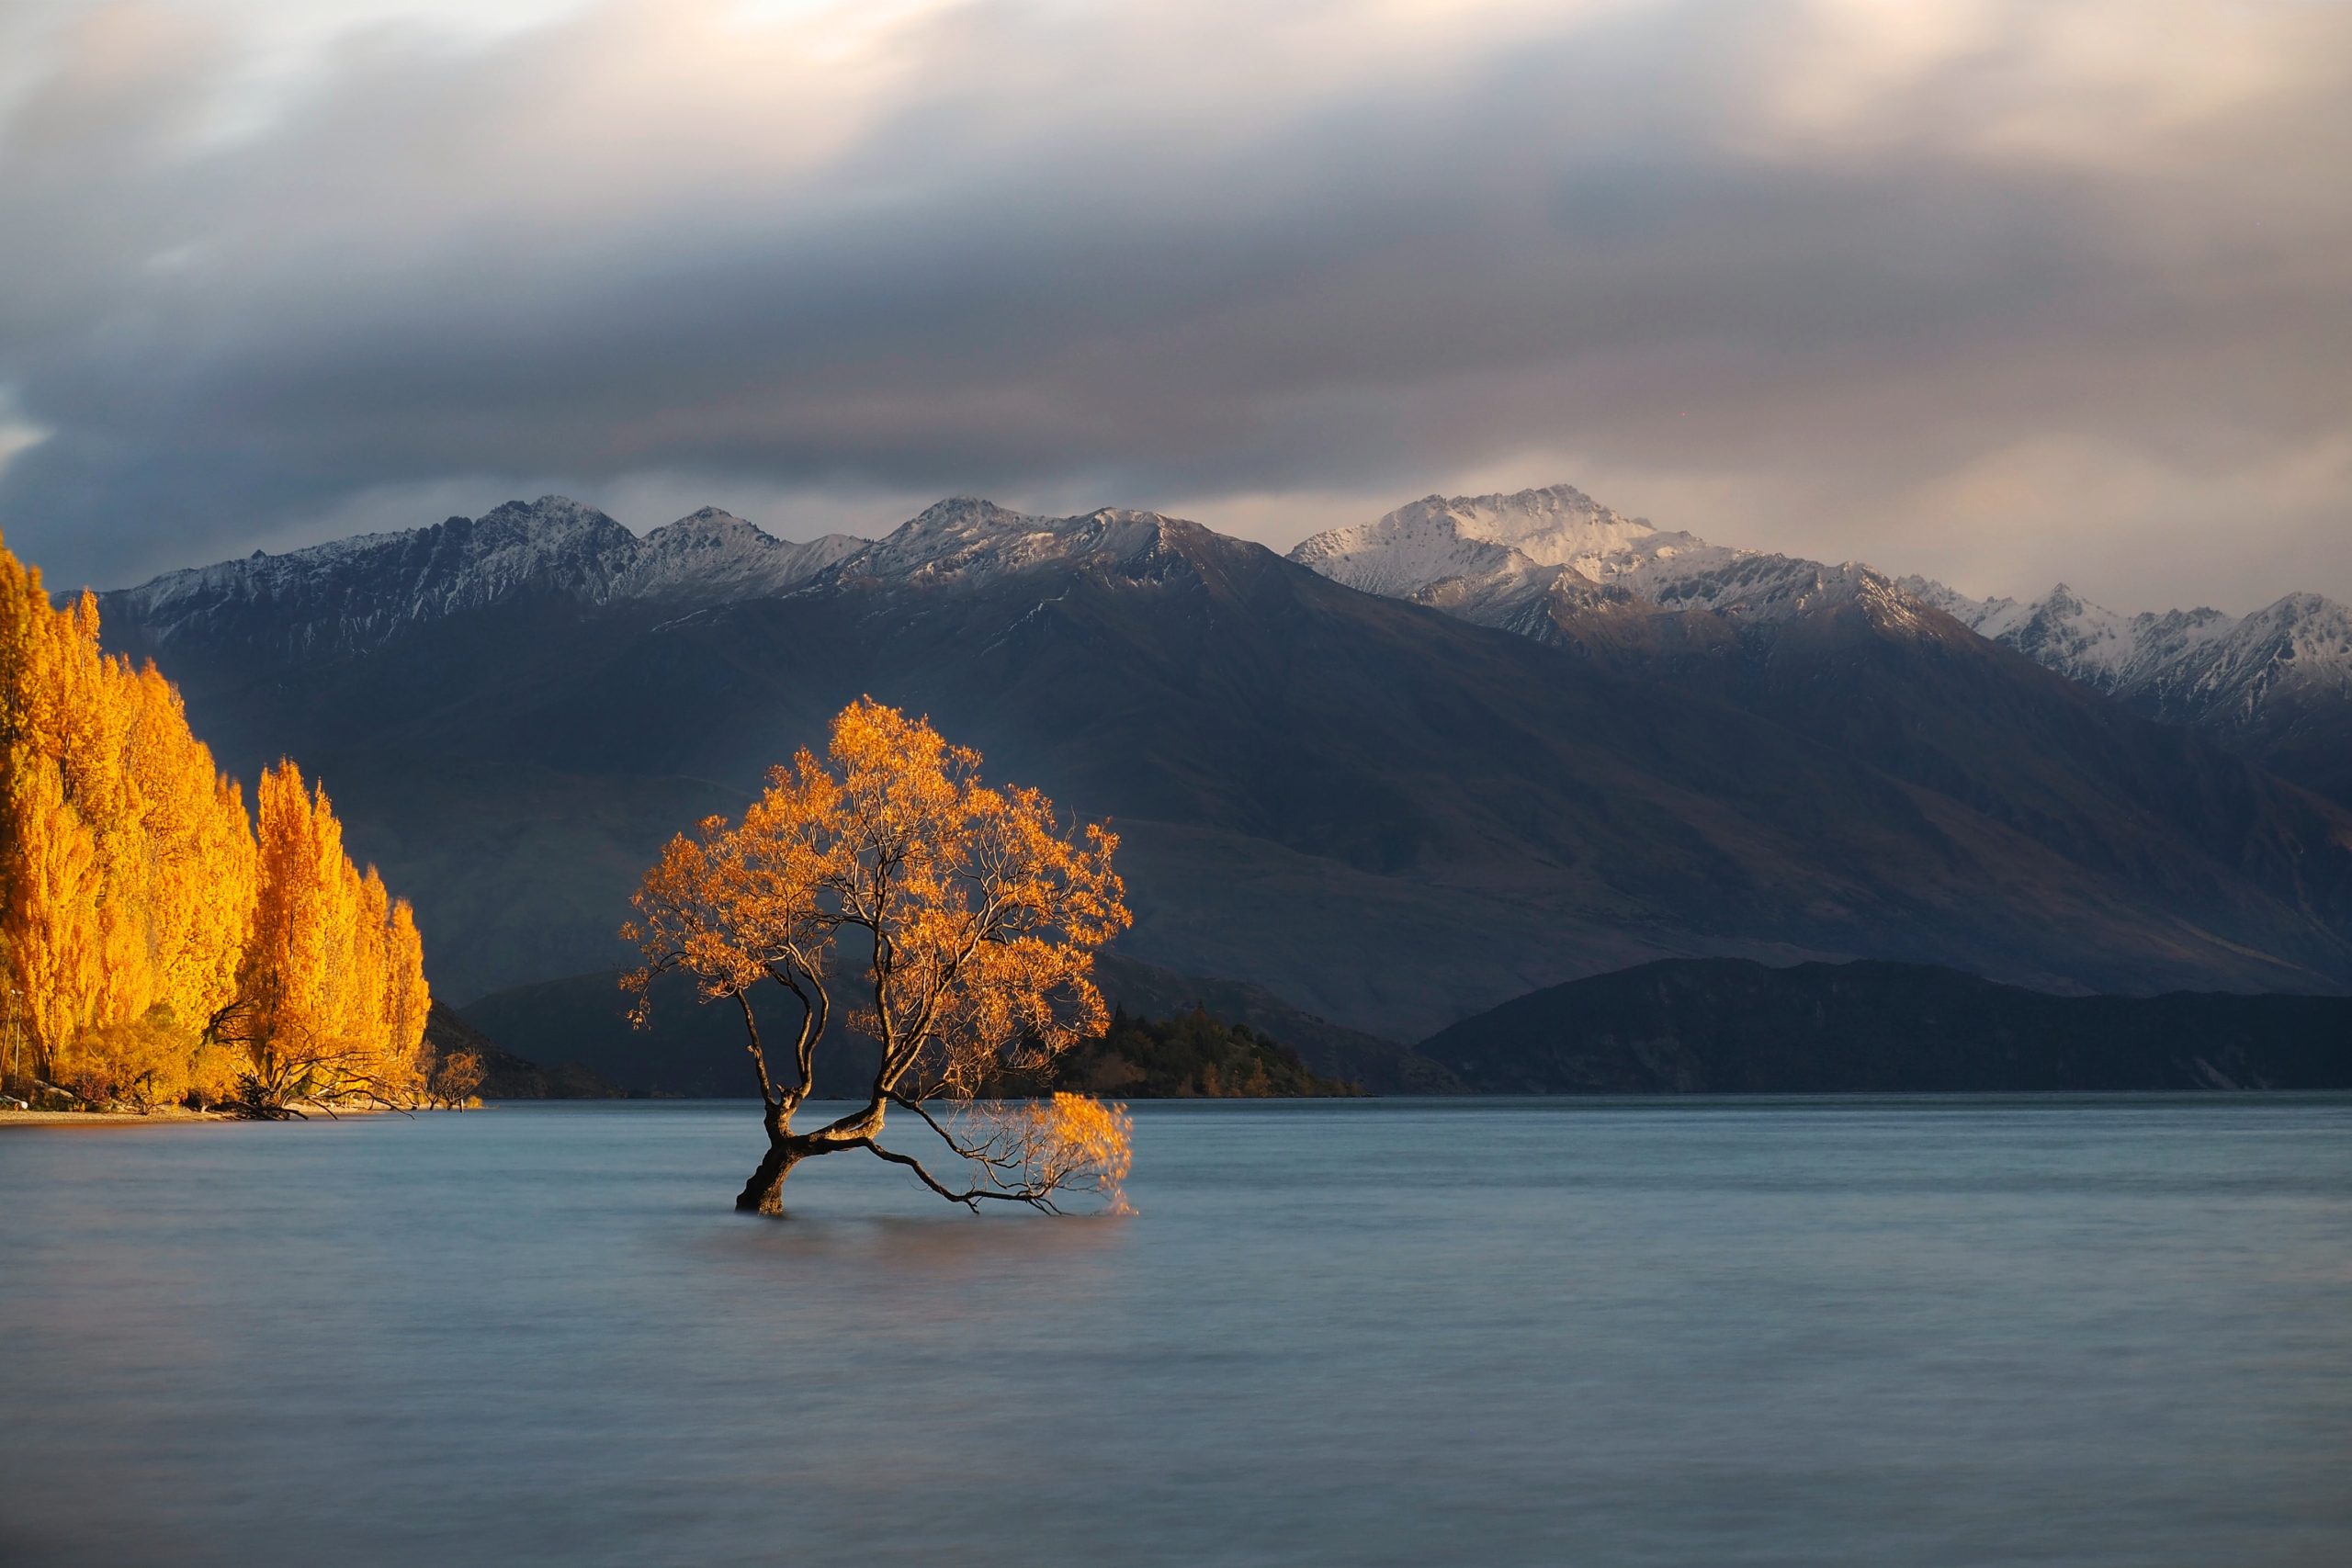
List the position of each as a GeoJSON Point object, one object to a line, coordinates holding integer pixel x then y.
{"type": "Point", "coordinates": [1891, 1332]}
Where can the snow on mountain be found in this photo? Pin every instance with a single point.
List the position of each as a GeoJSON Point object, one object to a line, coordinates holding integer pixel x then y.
{"type": "Point", "coordinates": [2275, 685]}
{"type": "Point", "coordinates": [1758, 588]}
{"type": "Point", "coordinates": [2198, 667]}
{"type": "Point", "coordinates": [1485, 541]}
{"type": "Point", "coordinates": [1551, 564]}
{"type": "Point", "coordinates": [1555, 565]}
{"type": "Point", "coordinates": [2092, 644]}
{"type": "Point", "coordinates": [1521, 561]}
{"type": "Point", "coordinates": [356, 592]}
{"type": "Point", "coordinates": [967, 540]}
{"type": "Point", "coordinates": [1531, 561]}
{"type": "Point", "coordinates": [2084, 641]}
{"type": "Point", "coordinates": [712, 554]}
{"type": "Point", "coordinates": [2299, 650]}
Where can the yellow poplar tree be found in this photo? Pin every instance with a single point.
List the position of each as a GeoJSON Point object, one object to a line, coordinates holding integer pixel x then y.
{"type": "Point", "coordinates": [55, 943]}
{"type": "Point", "coordinates": [284, 1027]}
{"type": "Point", "coordinates": [333, 992]}
{"type": "Point", "coordinates": [15, 632]}
{"type": "Point", "coordinates": [406, 998]}
{"type": "Point", "coordinates": [150, 945]}
{"type": "Point", "coordinates": [126, 892]}
{"type": "Point", "coordinates": [63, 945]}
{"type": "Point", "coordinates": [200, 852]}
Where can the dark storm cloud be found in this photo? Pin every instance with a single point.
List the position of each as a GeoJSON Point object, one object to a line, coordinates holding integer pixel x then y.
{"type": "Point", "coordinates": [1971, 288]}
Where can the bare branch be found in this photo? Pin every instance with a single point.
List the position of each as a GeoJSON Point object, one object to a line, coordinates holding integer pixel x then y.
{"type": "Point", "coordinates": [972, 1197]}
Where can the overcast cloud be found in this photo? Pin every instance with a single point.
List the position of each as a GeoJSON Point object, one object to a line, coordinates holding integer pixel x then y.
{"type": "Point", "coordinates": [2000, 292]}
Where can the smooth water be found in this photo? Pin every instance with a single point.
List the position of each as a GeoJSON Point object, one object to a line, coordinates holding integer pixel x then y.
{"type": "Point", "coordinates": [1879, 1332]}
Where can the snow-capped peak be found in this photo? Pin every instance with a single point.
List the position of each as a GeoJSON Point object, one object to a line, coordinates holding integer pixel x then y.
{"type": "Point", "coordinates": [2238, 678]}
{"type": "Point", "coordinates": [1485, 544]}
{"type": "Point", "coordinates": [353, 593]}
{"type": "Point", "coordinates": [2295, 651]}
{"type": "Point", "coordinates": [713, 555]}
{"type": "Point", "coordinates": [2310, 615]}
{"type": "Point", "coordinates": [2089, 641]}
{"type": "Point", "coordinates": [965, 539]}
{"type": "Point", "coordinates": [947, 534]}
{"type": "Point", "coordinates": [1757, 588]}
{"type": "Point", "coordinates": [2085, 641]}
{"type": "Point", "coordinates": [708, 523]}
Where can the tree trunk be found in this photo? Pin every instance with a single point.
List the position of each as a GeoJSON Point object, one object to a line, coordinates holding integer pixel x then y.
{"type": "Point", "coordinates": [764, 1194]}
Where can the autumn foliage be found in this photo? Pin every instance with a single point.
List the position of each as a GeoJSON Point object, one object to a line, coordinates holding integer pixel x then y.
{"type": "Point", "coordinates": [154, 945]}
{"type": "Point", "coordinates": [960, 920]}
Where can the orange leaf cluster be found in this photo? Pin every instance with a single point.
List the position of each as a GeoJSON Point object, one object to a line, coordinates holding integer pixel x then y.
{"type": "Point", "coordinates": [1071, 1142]}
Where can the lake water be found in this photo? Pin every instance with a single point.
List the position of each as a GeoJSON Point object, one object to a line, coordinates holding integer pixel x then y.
{"type": "Point", "coordinates": [1866, 1332]}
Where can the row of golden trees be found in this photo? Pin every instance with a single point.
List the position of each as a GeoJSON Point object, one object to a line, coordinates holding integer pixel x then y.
{"type": "Point", "coordinates": [156, 941]}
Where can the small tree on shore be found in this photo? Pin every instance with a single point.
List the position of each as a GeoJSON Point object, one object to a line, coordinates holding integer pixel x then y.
{"type": "Point", "coordinates": [973, 917]}
{"type": "Point", "coordinates": [454, 1079]}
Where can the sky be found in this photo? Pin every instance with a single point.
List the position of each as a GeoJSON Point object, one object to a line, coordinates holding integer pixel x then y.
{"type": "Point", "coordinates": [2003, 293]}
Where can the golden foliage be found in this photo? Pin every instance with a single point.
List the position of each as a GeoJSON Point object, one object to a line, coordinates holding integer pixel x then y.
{"type": "Point", "coordinates": [54, 946]}
{"type": "Point", "coordinates": [454, 1078]}
{"type": "Point", "coordinates": [152, 1060]}
{"type": "Point", "coordinates": [1071, 1143]}
{"type": "Point", "coordinates": [131, 918]}
{"type": "Point", "coordinates": [332, 989]}
{"type": "Point", "coordinates": [972, 913]}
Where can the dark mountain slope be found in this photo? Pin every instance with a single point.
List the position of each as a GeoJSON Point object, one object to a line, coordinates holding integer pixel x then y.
{"type": "Point", "coordinates": [1387, 814]}
{"type": "Point", "coordinates": [506, 1076]}
{"type": "Point", "coordinates": [1881, 670]}
{"type": "Point", "coordinates": [580, 1021]}
{"type": "Point", "coordinates": [1722, 1026]}
{"type": "Point", "coordinates": [1871, 673]}
{"type": "Point", "coordinates": [1381, 1066]}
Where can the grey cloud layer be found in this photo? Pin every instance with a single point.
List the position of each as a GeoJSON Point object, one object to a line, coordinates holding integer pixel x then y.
{"type": "Point", "coordinates": [1965, 292]}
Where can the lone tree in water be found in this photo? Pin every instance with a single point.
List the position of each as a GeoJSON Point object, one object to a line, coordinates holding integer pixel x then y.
{"type": "Point", "coordinates": [974, 918]}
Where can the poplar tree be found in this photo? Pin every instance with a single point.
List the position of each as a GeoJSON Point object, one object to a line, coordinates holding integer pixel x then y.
{"type": "Point", "coordinates": [332, 998]}
{"type": "Point", "coordinates": [150, 945]}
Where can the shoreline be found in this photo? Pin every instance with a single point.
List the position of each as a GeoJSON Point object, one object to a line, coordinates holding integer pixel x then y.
{"type": "Point", "coordinates": [174, 1117]}
{"type": "Point", "coordinates": [107, 1118]}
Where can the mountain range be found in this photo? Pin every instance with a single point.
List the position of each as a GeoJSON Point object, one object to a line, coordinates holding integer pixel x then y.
{"type": "Point", "coordinates": [2275, 685]}
{"type": "Point", "coordinates": [1479, 747]}
{"type": "Point", "coordinates": [1552, 564]}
